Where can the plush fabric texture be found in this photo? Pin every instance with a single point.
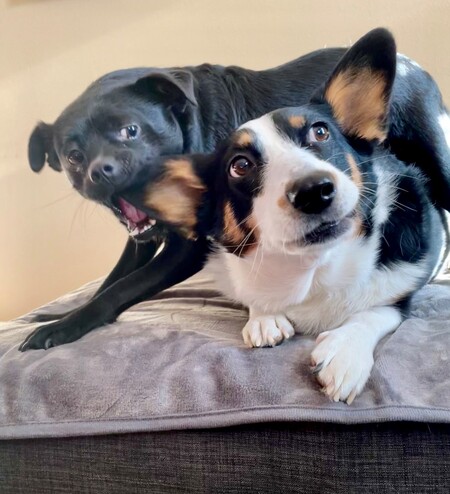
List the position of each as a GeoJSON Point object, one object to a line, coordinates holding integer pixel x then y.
{"type": "Point", "coordinates": [178, 362]}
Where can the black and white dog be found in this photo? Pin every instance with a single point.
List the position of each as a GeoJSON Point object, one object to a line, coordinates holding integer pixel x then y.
{"type": "Point", "coordinates": [110, 138]}
{"type": "Point", "coordinates": [317, 228]}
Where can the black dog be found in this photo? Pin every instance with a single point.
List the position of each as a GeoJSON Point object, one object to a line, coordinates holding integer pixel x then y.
{"type": "Point", "coordinates": [108, 139]}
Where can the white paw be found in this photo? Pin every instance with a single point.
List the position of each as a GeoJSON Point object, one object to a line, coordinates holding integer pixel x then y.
{"type": "Point", "coordinates": [342, 362]}
{"type": "Point", "coordinates": [267, 330]}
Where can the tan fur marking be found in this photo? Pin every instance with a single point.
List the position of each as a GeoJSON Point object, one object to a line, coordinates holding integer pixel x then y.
{"type": "Point", "coordinates": [360, 231]}
{"type": "Point", "coordinates": [359, 104]}
{"type": "Point", "coordinates": [254, 235]}
{"type": "Point", "coordinates": [356, 174]}
{"type": "Point", "coordinates": [233, 233]}
{"type": "Point", "coordinates": [283, 203]}
{"type": "Point", "coordinates": [244, 138]}
{"type": "Point", "coordinates": [296, 121]}
{"type": "Point", "coordinates": [238, 238]}
{"type": "Point", "coordinates": [177, 195]}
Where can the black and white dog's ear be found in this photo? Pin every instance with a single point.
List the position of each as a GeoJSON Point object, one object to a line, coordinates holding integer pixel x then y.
{"type": "Point", "coordinates": [180, 196]}
{"type": "Point", "coordinates": [175, 86]}
{"type": "Point", "coordinates": [359, 89]}
{"type": "Point", "coordinates": [41, 149]}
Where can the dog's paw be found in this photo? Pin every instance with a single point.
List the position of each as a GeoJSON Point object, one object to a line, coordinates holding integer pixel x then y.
{"type": "Point", "coordinates": [342, 363]}
{"type": "Point", "coordinates": [267, 330]}
{"type": "Point", "coordinates": [44, 337]}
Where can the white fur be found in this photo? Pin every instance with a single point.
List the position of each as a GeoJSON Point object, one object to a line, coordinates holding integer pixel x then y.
{"type": "Point", "coordinates": [405, 65]}
{"type": "Point", "coordinates": [444, 122]}
{"type": "Point", "coordinates": [343, 358]}
{"type": "Point", "coordinates": [288, 163]}
{"type": "Point", "coordinates": [336, 287]}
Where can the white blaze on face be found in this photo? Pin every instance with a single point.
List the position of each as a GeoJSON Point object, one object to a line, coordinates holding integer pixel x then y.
{"type": "Point", "coordinates": [285, 162]}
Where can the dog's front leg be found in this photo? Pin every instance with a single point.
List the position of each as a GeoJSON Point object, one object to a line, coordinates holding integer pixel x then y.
{"type": "Point", "coordinates": [266, 329]}
{"type": "Point", "coordinates": [179, 260]}
{"type": "Point", "coordinates": [133, 257]}
{"type": "Point", "coordinates": [343, 357]}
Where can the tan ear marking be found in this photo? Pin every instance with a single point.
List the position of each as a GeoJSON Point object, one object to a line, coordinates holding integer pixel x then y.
{"type": "Point", "coordinates": [177, 195]}
{"type": "Point", "coordinates": [358, 99]}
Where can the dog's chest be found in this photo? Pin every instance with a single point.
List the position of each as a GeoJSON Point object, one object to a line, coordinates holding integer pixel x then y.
{"type": "Point", "coordinates": [274, 281]}
{"type": "Point", "coordinates": [317, 292]}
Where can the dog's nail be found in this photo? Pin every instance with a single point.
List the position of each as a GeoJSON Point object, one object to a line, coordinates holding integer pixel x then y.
{"type": "Point", "coordinates": [352, 396]}
{"type": "Point", "coordinates": [48, 344]}
{"type": "Point", "coordinates": [317, 368]}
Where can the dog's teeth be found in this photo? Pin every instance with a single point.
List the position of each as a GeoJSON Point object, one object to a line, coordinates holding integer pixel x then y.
{"type": "Point", "coordinates": [138, 230]}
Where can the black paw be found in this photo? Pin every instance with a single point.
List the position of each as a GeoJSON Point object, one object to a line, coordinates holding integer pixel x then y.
{"type": "Point", "coordinates": [46, 337]}
{"type": "Point", "coordinates": [66, 330]}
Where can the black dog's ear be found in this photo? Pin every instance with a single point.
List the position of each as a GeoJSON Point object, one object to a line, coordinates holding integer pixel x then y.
{"type": "Point", "coordinates": [40, 148]}
{"type": "Point", "coordinates": [360, 86]}
{"type": "Point", "coordinates": [175, 86]}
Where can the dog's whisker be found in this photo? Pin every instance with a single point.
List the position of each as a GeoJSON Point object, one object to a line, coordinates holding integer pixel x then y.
{"type": "Point", "coordinates": [75, 216]}
{"type": "Point", "coordinates": [243, 243]}
{"type": "Point", "coordinates": [56, 201]}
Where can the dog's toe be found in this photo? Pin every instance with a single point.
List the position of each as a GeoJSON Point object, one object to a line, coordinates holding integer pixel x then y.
{"type": "Point", "coordinates": [48, 343]}
{"type": "Point", "coordinates": [42, 338]}
{"type": "Point", "coordinates": [342, 367]}
{"type": "Point", "coordinates": [266, 331]}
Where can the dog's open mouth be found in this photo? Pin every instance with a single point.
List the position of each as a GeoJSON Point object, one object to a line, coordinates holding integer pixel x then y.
{"type": "Point", "coordinates": [328, 231]}
{"type": "Point", "coordinates": [136, 221]}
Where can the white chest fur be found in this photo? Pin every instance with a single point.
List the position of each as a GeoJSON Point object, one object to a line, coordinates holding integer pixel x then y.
{"type": "Point", "coordinates": [317, 291]}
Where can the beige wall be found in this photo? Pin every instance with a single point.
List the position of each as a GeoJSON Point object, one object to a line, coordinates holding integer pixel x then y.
{"type": "Point", "coordinates": [51, 239]}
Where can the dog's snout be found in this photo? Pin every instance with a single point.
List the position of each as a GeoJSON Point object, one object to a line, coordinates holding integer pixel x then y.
{"type": "Point", "coordinates": [313, 194]}
{"type": "Point", "coordinates": [105, 172]}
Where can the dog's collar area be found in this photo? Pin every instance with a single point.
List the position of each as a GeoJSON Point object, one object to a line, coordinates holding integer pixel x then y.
{"type": "Point", "coordinates": [136, 221]}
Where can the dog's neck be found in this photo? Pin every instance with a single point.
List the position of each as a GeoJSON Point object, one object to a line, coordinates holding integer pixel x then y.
{"type": "Point", "coordinates": [273, 280]}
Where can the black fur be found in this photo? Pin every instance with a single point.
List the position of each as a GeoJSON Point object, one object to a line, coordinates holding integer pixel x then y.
{"type": "Point", "coordinates": [190, 110]}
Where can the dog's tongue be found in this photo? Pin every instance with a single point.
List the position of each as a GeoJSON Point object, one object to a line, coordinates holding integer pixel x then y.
{"type": "Point", "coordinates": [131, 213]}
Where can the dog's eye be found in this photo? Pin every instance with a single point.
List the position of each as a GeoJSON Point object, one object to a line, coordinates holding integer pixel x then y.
{"type": "Point", "coordinates": [130, 132]}
{"type": "Point", "coordinates": [318, 133]}
{"type": "Point", "coordinates": [75, 157]}
{"type": "Point", "coordinates": [240, 166]}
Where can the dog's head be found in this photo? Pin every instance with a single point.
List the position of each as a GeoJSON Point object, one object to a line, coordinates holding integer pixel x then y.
{"type": "Point", "coordinates": [113, 132]}
{"type": "Point", "coordinates": [294, 178]}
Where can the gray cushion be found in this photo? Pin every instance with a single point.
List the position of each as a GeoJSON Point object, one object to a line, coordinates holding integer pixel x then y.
{"type": "Point", "coordinates": [178, 362]}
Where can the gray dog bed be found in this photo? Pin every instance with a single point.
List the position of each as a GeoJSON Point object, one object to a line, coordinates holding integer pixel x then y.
{"type": "Point", "coordinates": [178, 362]}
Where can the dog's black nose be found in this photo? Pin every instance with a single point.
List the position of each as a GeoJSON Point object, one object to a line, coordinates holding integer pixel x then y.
{"type": "Point", "coordinates": [105, 172]}
{"type": "Point", "coordinates": [313, 194]}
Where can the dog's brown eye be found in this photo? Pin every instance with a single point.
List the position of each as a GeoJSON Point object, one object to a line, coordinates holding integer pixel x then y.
{"type": "Point", "coordinates": [130, 132]}
{"type": "Point", "coordinates": [240, 166]}
{"type": "Point", "coordinates": [75, 157]}
{"type": "Point", "coordinates": [318, 133]}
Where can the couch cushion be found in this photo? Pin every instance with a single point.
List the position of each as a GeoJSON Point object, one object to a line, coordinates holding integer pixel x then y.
{"type": "Point", "coordinates": [178, 362]}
